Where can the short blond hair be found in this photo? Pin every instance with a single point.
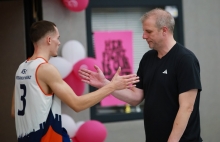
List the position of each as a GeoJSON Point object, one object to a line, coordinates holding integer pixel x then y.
{"type": "Point", "coordinates": [163, 18]}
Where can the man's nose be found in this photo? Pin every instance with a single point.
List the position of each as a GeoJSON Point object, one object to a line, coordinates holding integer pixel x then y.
{"type": "Point", "coordinates": [144, 36]}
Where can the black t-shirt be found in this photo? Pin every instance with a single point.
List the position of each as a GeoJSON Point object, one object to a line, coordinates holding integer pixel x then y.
{"type": "Point", "coordinates": [162, 80]}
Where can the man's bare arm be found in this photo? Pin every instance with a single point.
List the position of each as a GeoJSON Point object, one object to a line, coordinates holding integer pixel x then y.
{"type": "Point", "coordinates": [132, 96]}
{"type": "Point", "coordinates": [186, 102]}
{"type": "Point", "coordinates": [49, 74]}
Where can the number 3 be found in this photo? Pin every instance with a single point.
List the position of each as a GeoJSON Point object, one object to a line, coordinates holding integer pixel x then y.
{"type": "Point", "coordinates": [21, 112]}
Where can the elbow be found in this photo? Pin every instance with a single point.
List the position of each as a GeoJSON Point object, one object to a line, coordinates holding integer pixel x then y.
{"type": "Point", "coordinates": [134, 103]}
{"type": "Point", "coordinates": [188, 108]}
{"type": "Point", "coordinates": [77, 108]}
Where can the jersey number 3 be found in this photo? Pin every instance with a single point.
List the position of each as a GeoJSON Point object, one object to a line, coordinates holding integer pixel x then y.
{"type": "Point", "coordinates": [21, 112]}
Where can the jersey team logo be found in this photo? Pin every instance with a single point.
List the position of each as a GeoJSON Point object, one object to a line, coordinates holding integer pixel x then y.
{"type": "Point", "coordinates": [24, 71]}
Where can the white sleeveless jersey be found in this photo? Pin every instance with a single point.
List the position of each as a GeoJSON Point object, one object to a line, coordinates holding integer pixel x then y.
{"type": "Point", "coordinates": [37, 115]}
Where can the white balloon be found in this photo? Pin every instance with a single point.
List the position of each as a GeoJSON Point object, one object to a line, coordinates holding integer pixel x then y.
{"type": "Point", "coordinates": [69, 124]}
{"type": "Point", "coordinates": [73, 51]}
{"type": "Point", "coordinates": [62, 65]}
{"type": "Point", "coordinates": [79, 124]}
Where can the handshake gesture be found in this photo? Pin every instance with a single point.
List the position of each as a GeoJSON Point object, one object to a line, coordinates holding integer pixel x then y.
{"type": "Point", "coordinates": [97, 79]}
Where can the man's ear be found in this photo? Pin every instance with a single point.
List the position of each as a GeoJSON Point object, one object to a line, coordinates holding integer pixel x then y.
{"type": "Point", "coordinates": [165, 30]}
{"type": "Point", "coordinates": [48, 40]}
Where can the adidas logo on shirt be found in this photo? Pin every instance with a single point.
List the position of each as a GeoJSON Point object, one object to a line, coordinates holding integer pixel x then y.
{"type": "Point", "coordinates": [165, 72]}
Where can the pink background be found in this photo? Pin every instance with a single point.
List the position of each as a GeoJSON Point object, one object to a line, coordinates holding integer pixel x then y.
{"type": "Point", "coordinates": [100, 38]}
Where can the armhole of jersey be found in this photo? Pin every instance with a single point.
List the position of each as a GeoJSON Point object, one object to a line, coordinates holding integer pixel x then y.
{"type": "Point", "coordinates": [38, 82]}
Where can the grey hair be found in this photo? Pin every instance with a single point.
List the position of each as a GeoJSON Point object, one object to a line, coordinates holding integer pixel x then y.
{"type": "Point", "coordinates": [163, 18]}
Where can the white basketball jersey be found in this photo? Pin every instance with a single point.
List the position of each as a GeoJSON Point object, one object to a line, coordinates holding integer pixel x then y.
{"type": "Point", "coordinates": [37, 115]}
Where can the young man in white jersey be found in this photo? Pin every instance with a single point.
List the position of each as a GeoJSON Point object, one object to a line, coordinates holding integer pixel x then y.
{"type": "Point", "coordinates": [39, 90]}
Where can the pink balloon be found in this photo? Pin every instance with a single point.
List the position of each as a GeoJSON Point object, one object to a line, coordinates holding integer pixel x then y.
{"type": "Point", "coordinates": [91, 131]}
{"type": "Point", "coordinates": [87, 63]}
{"type": "Point", "coordinates": [76, 5]}
{"type": "Point", "coordinates": [75, 83]}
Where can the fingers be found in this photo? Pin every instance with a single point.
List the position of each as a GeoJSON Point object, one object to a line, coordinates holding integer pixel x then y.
{"type": "Point", "coordinates": [118, 71]}
{"type": "Point", "coordinates": [97, 69]}
{"type": "Point", "coordinates": [84, 70]}
{"type": "Point", "coordinates": [131, 82]}
{"type": "Point", "coordinates": [84, 75]}
{"type": "Point", "coordinates": [85, 81]}
{"type": "Point", "coordinates": [129, 76]}
{"type": "Point", "coordinates": [131, 86]}
{"type": "Point", "coordinates": [131, 79]}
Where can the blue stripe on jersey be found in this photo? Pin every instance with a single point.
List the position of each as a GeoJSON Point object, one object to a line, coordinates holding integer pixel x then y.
{"type": "Point", "coordinates": [55, 123]}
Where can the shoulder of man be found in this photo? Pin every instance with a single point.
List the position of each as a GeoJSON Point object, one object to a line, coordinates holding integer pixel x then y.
{"type": "Point", "coordinates": [185, 52]}
{"type": "Point", "coordinates": [150, 53]}
{"type": "Point", "coordinates": [47, 67]}
{"type": "Point", "coordinates": [47, 70]}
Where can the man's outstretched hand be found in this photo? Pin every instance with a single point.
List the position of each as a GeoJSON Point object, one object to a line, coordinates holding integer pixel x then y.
{"type": "Point", "coordinates": [124, 81]}
{"type": "Point", "coordinates": [97, 78]}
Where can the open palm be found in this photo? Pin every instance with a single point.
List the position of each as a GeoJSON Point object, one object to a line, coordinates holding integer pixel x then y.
{"type": "Point", "coordinates": [96, 79]}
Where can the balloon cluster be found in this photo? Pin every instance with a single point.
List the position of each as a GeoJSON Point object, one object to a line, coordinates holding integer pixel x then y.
{"type": "Point", "coordinates": [76, 5]}
{"type": "Point", "coordinates": [73, 58]}
{"type": "Point", "coordinates": [89, 131]}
